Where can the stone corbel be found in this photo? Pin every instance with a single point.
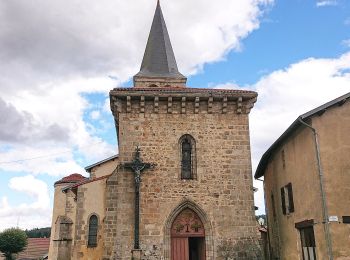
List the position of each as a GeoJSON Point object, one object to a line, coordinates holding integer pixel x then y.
{"type": "Point", "coordinates": [196, 105]}
{"type": "Point", "coordinates": [250, 105]}
{"type": "Point", "coordinates": [224, 105]}
{"type": "Point", "coordinates": [156, 104]}
{"type": "Point", "coordinates": [170, 105]}
{"type": "Point", "coordinates": [142, 104]}
{"type": "Point", "coordinates": [239, 105]}
{"type": "Point", "coordinates": [210, 105]}
{"type": "Point", "coordinates": [183, 105]}
{"type": "Point", "coordinates": [128, 104]}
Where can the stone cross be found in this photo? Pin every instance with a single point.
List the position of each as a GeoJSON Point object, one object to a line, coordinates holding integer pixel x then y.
{"type": "Point", "coordinates": [137, 166]}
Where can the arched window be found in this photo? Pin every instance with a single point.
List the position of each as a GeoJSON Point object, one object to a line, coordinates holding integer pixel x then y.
{"type": "Point", "coordinates": [188, 157]}
{"type": "Point", "coordinates": [93, 226]}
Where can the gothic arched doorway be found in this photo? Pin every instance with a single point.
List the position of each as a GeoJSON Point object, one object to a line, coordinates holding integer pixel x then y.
{"type": "Point", "coordinates": [187, 237]}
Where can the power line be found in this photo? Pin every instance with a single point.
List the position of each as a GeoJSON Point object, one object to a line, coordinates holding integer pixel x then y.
{"type": "Point", "coordinates": [46, 156]}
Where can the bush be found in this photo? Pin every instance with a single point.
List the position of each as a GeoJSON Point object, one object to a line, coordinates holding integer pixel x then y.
{"type": "Point", "coordinates": [12, 241]}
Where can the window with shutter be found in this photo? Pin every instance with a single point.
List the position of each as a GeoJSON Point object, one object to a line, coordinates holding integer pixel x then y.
{"type": "Point", "coordinates": [283, 200]}
{"type": "Point", "coordinates": [93, 226]}
{"type": "Point", "coordinates": [290, 198]}
{"type": "Point", "coordinates": [287, 199]}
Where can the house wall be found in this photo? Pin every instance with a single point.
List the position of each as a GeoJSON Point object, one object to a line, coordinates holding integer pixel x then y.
{"type": "Point", "coordinates": [301, 170]}
{"type": "Point", "coordinates": [333, 128]}
{"type": "Point", "coordinates": [222, 191]}
{"type": "Point", "coordinates": [104, 168]}
{"type": "Point", "coordinates": [90, 200]}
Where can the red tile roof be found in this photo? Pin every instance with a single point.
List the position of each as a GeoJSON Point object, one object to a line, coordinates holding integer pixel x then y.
{"type": "Point", "coordinates": [186, 89]}
{"type": "Point", "coordinates": [36, 248]}
{"type": "Point", "coordinates": [73, 178]}
{"type": "Point", "coordinates": [85, 181]}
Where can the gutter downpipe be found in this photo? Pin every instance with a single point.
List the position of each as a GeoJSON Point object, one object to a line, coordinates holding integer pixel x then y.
{"type": "Point", "coordinates": [323, 195]}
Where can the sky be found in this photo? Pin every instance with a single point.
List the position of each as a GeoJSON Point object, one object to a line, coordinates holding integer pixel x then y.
{"type": "Point", "coordinates": [60, 58]}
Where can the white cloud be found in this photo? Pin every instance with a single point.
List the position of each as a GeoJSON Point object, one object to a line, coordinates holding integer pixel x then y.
{"type": "Point", "coordinates": [346, 43]}
{"type": "Point", "coordinates": [27, 215]}
{"type": "Point", "coordinates": [326, 3]}
{"type": "Point", "coordinates": [53, 53]}
{"type": "Point", "coordinates": [228, 85]}
{"type": "Point", "coordinates": [107, 106]}
{"type": "Point", "coordinates": [50, 59]}
{"type": "Point", "coordinates": [60, 40]}
{"type": "Point", "coordinates": [286, 94]}
{"type": "Point", "coordinates": [57, 161]}
{"type": "Point", "coordinates": [95, 114]}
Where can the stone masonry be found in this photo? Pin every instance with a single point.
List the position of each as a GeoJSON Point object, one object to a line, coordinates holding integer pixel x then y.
{"type": "Point", "coordinates": [155, 119]}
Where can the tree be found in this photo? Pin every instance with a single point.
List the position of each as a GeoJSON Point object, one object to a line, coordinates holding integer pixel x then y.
{"type": "Point", "coordinates": [12, 241]}
{"type": "Point", "coordinates": [38, 232]}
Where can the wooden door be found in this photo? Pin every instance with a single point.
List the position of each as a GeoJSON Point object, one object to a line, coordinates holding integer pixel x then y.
{"type": "Point", "coordinates": [179, 248]}
{"type": "Point", "coordinates": [187, 234]}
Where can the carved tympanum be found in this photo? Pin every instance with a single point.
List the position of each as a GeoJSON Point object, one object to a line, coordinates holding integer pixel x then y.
{"type": "Point", "coordinates": [187, 224]}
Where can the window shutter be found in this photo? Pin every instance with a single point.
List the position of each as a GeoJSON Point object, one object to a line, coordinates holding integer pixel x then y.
{"type": "Point", "coordinates": [290, 197]}
{"type": "Point", "coordinates": [283, 199]}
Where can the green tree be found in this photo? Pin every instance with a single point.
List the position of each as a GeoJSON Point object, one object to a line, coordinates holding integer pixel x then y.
{"type": "Point", "coordinates": [12, 241]}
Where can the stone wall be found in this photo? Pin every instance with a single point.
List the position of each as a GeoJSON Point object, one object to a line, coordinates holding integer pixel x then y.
{"type": "Point", "coordinates": [222, 193]}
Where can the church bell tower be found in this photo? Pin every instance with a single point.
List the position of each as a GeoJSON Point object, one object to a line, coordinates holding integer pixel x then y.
{"type": "Point", "coordinates": [159, 68]}
{"type": "Point", "coordinates": [197, 200]}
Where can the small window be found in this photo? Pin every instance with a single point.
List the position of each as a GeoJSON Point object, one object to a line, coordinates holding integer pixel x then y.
{"type": "Point", "coordinates": [308, 244]}
{"type": "Point", "coordinates": [188, 157]}
{"type": "Point", "coordinates": [287, 199]}
{"type": "Point", "coordinates": [93, 226]}
{"type": "Point", "coordinates": [283, 155]}
{"type": "Point", "coordinates": [346, 219]}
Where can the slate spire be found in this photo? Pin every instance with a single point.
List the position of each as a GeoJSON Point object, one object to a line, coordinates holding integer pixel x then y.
{"type": "Point", "coordinates": [159, 63]}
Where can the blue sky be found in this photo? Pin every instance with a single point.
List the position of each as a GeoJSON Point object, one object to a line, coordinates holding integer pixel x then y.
{"type": "Point", "coordinates": [57, 73]}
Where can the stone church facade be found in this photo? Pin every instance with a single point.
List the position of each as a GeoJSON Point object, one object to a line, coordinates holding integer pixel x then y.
{"type": "Point", "coordinates": [181, 186]}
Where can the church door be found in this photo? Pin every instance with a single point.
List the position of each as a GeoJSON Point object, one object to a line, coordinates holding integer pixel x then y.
{"type": "Point", "coordinates": [187, 237]}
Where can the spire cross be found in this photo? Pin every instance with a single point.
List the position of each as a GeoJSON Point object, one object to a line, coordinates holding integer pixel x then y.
{"type": "Point", "coordinates": [137, 166]}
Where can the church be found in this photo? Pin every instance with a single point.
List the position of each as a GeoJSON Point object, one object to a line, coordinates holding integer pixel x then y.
{"type": "Point", "coordinates": [180, 187]}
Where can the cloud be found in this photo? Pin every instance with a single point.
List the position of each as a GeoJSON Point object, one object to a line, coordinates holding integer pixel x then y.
{"type": "Point", "coordinates": [285, 94]}
{"type": "Point", "coordinates": [41, 160]}
{"type": "Point", "coordinates": [27, 215]}
{"type": "Point", "coordinates": [60, 40]}
{"type": "Point", "coordinates": [346, 43]}
{"type": "Point", "coordinates": [228, 85]}
{"type": "Point", "coordinates": [326, 3]}
{"type": "Point", "coordinates": [54, 53]}
{"type": "Point", "coordinates": [95, 114]}
{"type": "Point", "coordinates": [17, 126]}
